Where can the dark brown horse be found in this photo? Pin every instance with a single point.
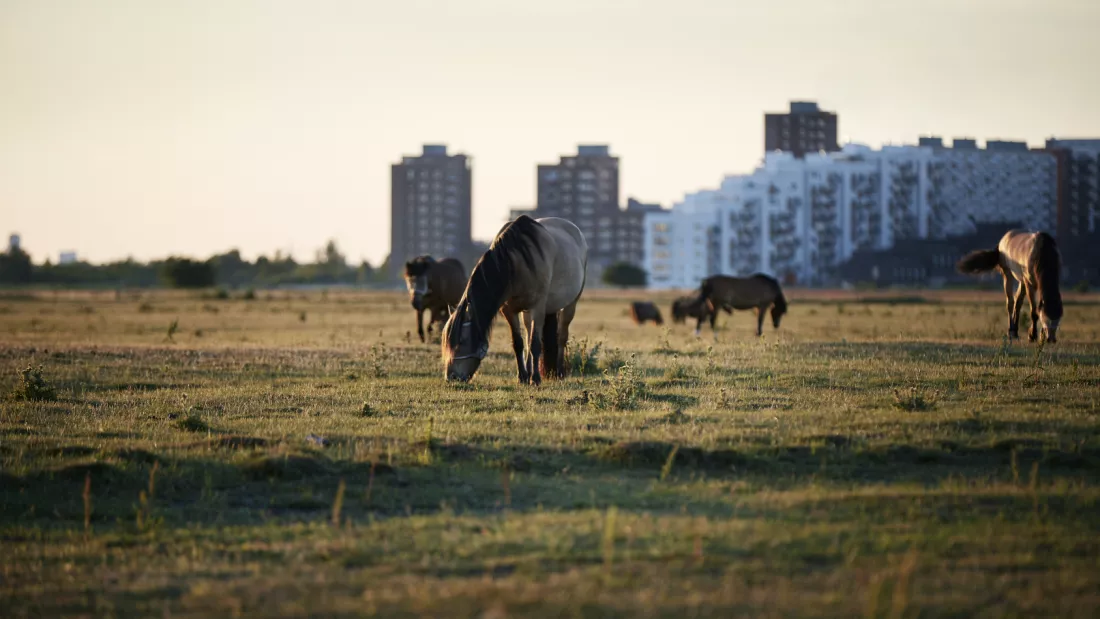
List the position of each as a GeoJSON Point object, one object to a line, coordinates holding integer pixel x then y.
{"type": "Point", "coordinates": [1033, 260]}
{"type": "Point", "coordinates": [758, 292]}
{"type": "Point", "coordinates": [645, 311]}
{"type": "Point", "coordinates": [534, 268]}
{"type": "Point", "coordinates": [434, 286]}
{"type": "Point", "coordinates": [690, 307]}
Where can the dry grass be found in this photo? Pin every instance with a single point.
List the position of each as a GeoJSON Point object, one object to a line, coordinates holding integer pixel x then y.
{"type": "Point", "coordinates": [882, 458]}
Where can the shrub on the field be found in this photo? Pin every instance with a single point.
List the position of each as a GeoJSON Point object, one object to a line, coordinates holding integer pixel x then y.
{"type": "Point", "coordinates": [32, 387]}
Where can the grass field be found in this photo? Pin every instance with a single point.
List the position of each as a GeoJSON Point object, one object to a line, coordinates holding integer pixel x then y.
{"type": "Point", "coordinates": [299, 454]}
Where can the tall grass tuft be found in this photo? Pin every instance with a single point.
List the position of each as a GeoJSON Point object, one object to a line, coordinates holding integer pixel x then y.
{"type": "Point", "coordinates": [87, 496]}
{"type": "Point", "coordinates": [338, 503]}
{"type": "Point", "coordinates": [583, 360]}
{"type": "Point", "coordinates": [622, 390]}
{"type": "Point", "coordinates": [32, 387]}
{"type": "Point", "coordinates": [666, 470]}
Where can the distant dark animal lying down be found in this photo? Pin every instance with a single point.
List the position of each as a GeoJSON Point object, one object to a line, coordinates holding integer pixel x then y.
{"type": "Point", "coordinates": [645, 311]}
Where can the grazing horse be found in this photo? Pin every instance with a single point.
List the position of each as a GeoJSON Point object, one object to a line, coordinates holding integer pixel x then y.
{"type": "Point", "coordinates": [690, 307]}
{"type": "Point", "coordinates": [533, 267]}
{"type": "Point", "coordinates": [645, 311]}
{"type": "Point", "coordinates": [434, 286]}
{"type": "Point", "coordinates": [1033, 260]}
{"type": "Point", "coordinates": [757, 292]}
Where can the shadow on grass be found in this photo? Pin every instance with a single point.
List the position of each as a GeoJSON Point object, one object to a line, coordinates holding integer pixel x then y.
{"type": "Point", "coordinates": [248, 480]}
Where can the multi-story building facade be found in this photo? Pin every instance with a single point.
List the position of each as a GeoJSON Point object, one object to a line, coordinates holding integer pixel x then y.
{"type": "Point", "coordinates": [801, 219]}
{"type": "Point", "coordinates": [805, 128]}
{"type": "Point", "coordinates": [681, 245]}
{"type": "Point", "coordinates": [430, 207]}
{"type": "Point", "coordinates": [584, 188]}
{"type": "Point", "coordinates": [1079, 176]}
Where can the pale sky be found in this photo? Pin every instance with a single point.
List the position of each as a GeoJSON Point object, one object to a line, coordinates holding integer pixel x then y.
{"type": "Point", "coordinates": [149, 128]}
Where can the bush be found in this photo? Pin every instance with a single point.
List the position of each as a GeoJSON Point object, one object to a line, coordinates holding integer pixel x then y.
{"type": "Point", "coordinates": [187, 273]}
{"type": "Point", "coordinates": [33, 388]}
{"type": "Point", "coordinates": [625, 275]}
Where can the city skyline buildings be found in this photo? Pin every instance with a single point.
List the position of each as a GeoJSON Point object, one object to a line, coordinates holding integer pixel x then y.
{"type": "Point", "coordinates": [158, 127]}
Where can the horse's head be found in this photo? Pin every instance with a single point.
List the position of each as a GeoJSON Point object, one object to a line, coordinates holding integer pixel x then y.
{"type": "Point", "coordinates": [778, 309]}
{"type": "Point", "coordinates": [416, 281]}
{"type": "Point", "coordinates": [462, 350]}
{"type": "Point", "coordinates": [1050, 314]}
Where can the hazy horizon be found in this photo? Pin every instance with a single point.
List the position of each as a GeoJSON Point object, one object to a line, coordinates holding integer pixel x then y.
{"type": "Point", "coordinates": [144, 128]}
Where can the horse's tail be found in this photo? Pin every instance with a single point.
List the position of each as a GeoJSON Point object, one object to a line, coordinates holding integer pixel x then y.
{"type": "Point", "coordinates": [548, 365]}
{"type": "Point", "coordinates": [979, 261]}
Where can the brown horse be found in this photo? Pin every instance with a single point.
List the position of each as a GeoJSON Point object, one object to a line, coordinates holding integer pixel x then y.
{"type": "Point", "coordinates": [1033, 260]}
{"type": "Point", "coordinates": [645, 311]}
{"type": "Point", "coordinates": [758, 292]}
{"type": "Point", "coordinates": [690, 307]}
{"type": "Point", "coordinates": [434, 286]}
{"type": "Point", "coordinates": [536, 268]}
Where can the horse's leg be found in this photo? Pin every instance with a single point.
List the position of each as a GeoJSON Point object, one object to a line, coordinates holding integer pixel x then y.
{"type": "Point", "coordinates": [1012, 306]}
{"type": "Point", "coordinates": [528, 331]}
{"type": "Point", "coordinates": [536, 318]}
{"type": "Point", "coordinates": [1033, 330]}
{"type": "Point", "coordinates": [420, 324]}
{"type": "Point", "coordinates": [702, 317]}
{"type": "Point", "coordinates": [564, 319]}
{"type": "Point", "coordinates": [517, 344]}
{"type": "Point", "coordinates": [760, 312]}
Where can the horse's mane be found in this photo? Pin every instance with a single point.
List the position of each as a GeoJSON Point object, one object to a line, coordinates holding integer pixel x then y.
{"type": "Point", "coordinates": [418, 266]}
{"type": "Point", "coordinates": [1048, 270]}
{"type": "Point", "coordinates": [495, 270]}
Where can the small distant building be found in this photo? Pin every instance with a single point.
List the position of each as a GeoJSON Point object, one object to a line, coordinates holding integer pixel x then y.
{"type": "Point", "coordinates": [67, 257]}
{"type": "Point", "coordinates": [13, 242]}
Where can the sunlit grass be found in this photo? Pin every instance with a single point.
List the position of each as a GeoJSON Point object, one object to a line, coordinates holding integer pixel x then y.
{"type": "Point", "coordinates": [868, 459]}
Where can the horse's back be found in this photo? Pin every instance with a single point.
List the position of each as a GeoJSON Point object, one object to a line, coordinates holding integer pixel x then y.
{"type": "Point", "coordinates": [452, 280]}
{"type": "Point", "coordinates": [570, 262]}
{"type": "Point", "coordinates": [565, 229]}
{"type": "Point", "coordinates": [741, 292]}
{"type": "Point", "coordinates": [1022, 251]}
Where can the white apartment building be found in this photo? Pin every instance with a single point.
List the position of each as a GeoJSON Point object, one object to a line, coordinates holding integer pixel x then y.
{"type": "Point", "coordinates": [800, 219]}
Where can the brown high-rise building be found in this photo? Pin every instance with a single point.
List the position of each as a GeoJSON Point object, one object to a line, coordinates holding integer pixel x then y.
{"type": "Point", "coordinates": [805, 129]}
{"type": "Point", "coordinates": [584, 188]}
{"type": "Point", "coordinates": [430, 207]}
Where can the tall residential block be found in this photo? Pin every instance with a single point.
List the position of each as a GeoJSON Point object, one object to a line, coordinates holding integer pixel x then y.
{"type": "Point", "coordinates": [584, 188]}
{"type": "Point", "coordinates": [430, 204]}
{"type": "Point", "coordinates": [804, 129]}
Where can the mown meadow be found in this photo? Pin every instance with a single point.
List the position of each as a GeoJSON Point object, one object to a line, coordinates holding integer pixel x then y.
{"type": "Point", "coordinates": [299, 454]}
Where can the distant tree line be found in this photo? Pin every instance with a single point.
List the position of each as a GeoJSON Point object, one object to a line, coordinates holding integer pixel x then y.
{"type": "Point", "coordinates": [228, 269]}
